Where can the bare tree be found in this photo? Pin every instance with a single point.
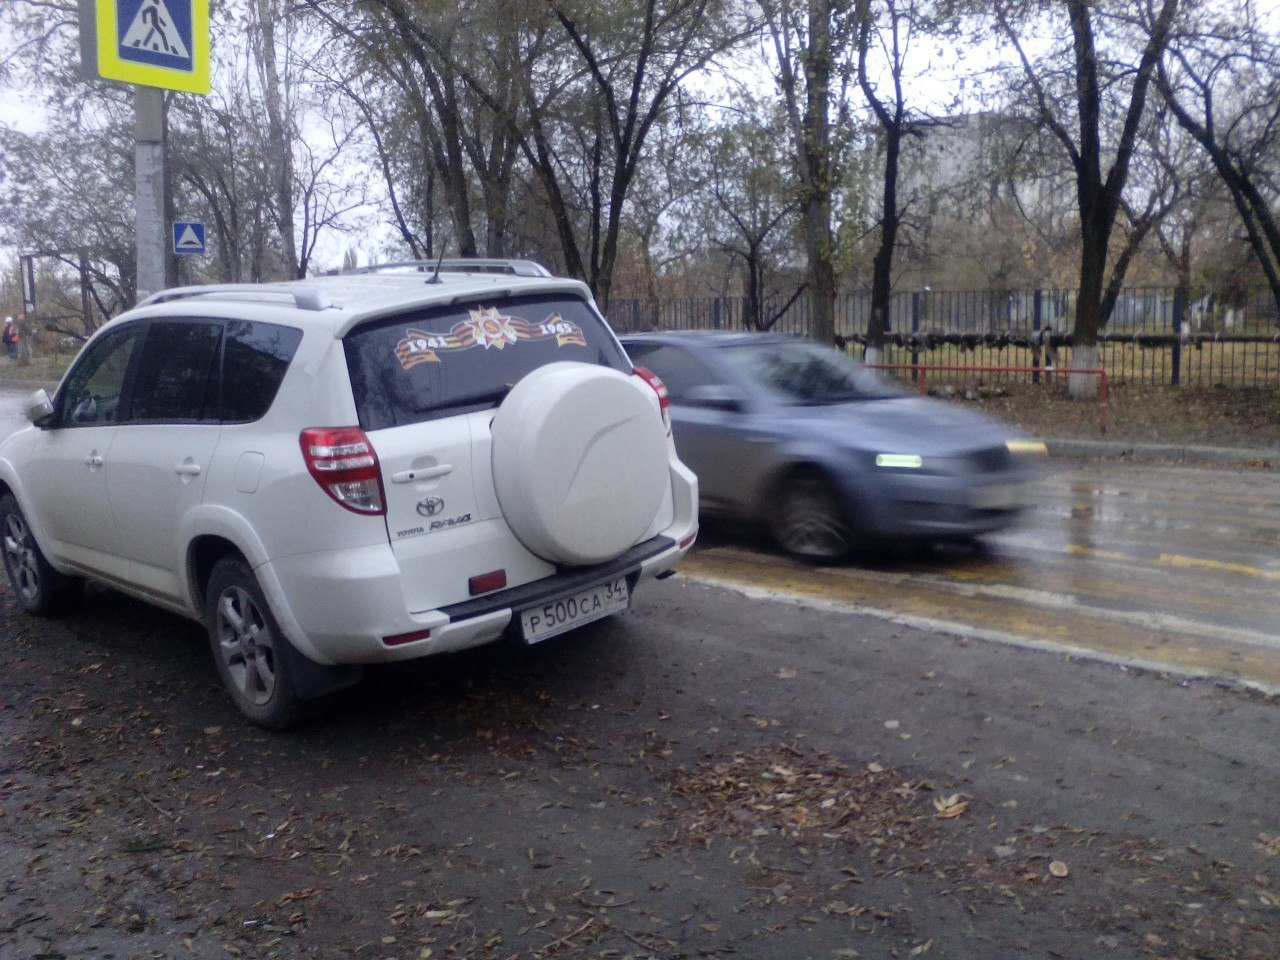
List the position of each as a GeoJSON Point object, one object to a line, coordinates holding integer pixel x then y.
{"type": "Point", "coordinates": [752, 210]}
{"type": "Point", "coordinates": [1089, 86]}
{"type": "Point", "coordinates": [1221, 80]}
{"type": "Point", "coordinates": [884, 34]}
{"type": "Point", "coordinates": [807, 37]}
{"type": "Point", "coordinates": [282, 130]}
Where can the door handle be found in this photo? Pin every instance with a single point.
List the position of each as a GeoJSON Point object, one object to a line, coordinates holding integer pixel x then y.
{"type": "Point", "coordinates": [187, 469]}
{"type": "Point", "coordinates": [93, 460]}
{"type": "Point", "coordinates": [426, 473]}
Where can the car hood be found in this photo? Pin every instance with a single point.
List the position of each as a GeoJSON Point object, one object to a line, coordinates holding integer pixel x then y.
{"type": "Point", "coordinates": [900, 425]}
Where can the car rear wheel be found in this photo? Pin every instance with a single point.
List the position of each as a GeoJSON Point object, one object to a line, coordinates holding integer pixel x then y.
{"type": "Point", "coordinates": [810, 521]}
{"type": "Point", "coordinates": [253, 657]}
{"type": "Point", "coordinates": [38, 587]}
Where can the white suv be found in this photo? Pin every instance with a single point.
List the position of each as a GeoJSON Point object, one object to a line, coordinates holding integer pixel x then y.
{"type": "Point", "coordinates": [353, 469]}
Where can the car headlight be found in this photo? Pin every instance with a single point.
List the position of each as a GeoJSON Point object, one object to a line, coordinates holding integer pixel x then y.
{"type": "Point", "coordinates": [899, 461]}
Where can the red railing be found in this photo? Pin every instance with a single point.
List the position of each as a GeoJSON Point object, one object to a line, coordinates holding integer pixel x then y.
{"type": "Point", "coordinates": [922, 370]}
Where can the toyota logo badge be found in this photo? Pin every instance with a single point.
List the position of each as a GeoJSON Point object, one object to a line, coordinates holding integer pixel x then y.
{"type": "Point", "coordinates": [430, 506]}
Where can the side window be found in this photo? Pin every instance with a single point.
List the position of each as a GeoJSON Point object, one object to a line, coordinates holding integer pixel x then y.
{"type": "Point", "coordinates": [91, 394]}
{"type": "Point", "coordinates": [177, 370]}
{"type": "Point", "coordinates": [678, 369]}
{"type": "Point", "coordinates": [256, 358]}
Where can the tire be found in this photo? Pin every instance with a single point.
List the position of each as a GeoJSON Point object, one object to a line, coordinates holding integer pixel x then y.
{"type": "Point", "coordinates": [40, 589]}
{"type": "Point", "coordinates": [253, 657]}
{"type": "Point", "coordinates": [810, 521]}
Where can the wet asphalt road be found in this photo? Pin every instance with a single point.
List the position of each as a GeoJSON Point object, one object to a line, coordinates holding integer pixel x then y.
{"type": "Point", "coordinates": [12, 403]}
{"type": "Point", "coordinates": [1171, 567]}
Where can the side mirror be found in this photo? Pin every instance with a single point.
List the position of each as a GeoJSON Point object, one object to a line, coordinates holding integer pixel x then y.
{"type": "Point", "coordinates": [714, 396]}
{"type": "Point", "coordinates": [40, 408]}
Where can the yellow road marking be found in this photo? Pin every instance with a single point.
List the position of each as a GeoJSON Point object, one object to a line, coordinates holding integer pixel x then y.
{"type": "Point", "coordinates": [1050, 621]}
{"type": "Point", "coordinates": [1176, 560]}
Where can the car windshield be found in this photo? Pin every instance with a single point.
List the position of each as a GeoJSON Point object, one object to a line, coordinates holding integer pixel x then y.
{"type": "Point", "coordinates": [807, 373]}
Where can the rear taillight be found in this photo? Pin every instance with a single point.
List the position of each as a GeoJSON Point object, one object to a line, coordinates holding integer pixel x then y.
{"type": "Point", "coordinates": [343, 462]}
{"type": "Point", "coordinates": [660, 388]}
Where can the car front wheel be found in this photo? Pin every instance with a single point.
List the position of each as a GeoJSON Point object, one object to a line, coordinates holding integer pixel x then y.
{"type": "Point", "coordinates": [38, 587]}
{"type": "Point", "coordinates": [810, 521]}
{"type": "Point", "coordinates": [253, 657]}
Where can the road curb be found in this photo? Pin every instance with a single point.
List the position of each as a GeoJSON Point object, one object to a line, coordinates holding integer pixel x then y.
{"type": "Point", "coordinates": [1193, 453]}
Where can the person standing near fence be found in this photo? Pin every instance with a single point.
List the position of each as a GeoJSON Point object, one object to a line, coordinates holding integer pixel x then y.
{"type": "Point", "coordinates": [11, 338]}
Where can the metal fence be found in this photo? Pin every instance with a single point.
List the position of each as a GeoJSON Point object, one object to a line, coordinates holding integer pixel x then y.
{"type": "Point", "coordinates": [1154, 334]}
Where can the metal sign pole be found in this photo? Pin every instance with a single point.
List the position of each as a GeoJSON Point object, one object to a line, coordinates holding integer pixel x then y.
{"type": "Point", "coordinates": [148, 106]}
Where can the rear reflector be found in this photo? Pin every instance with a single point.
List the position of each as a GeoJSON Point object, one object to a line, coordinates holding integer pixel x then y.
{"type": "Point", "coordinates": [488, 581]}
{"type": "Point", "coordinates": [688, 541]}
{"type": "Point", "coordinates": [342, 461]}
{"type": "Point", "coordinates": [400, 638]}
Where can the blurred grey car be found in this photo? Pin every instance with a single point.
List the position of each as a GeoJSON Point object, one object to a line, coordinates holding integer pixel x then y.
{"type": "Point", "coordinates": [827, 453]}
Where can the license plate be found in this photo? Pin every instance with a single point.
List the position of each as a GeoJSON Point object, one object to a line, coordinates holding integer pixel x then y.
{"type": "Point", "coordinates": [565, 613]}
{"type": "Point", "coordinates": [1002, 496]}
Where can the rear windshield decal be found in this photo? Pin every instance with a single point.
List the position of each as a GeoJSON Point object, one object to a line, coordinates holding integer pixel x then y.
{"type": "Point", "coordinates": [487, 328]}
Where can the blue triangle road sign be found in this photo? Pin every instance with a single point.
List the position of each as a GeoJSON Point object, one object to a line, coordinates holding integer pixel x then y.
{"type": "Point", "coordinates": [188, 236]}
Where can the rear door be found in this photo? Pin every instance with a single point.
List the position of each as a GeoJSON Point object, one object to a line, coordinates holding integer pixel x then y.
{"type": "Point", "coordinates": [161, 455]}
{"type": "Point", "coordinates": [426, 386]}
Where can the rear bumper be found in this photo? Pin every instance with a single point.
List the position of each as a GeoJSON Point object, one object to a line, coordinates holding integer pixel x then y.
{"type": "Point", "coordinates": [336, 608]}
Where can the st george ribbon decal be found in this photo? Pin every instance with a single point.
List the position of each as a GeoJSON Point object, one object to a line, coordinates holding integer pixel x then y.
{"type": "Point", "coordinates": [486, 328]}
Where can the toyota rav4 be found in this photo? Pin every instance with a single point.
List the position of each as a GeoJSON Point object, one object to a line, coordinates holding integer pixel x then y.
{"type": "Point", "coordinates": [348, 470]}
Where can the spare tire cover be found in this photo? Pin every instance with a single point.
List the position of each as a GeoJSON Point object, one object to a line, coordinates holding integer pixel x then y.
{"type": "Point", "coordinates": [580, 462]}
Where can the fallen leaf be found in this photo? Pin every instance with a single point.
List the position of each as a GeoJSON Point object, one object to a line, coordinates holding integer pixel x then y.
{"type": "Point", "coordinates": [786, 674]}
{"type": "Point", "coordinates": [892, 724]}
{"type": "Point", "coordinates": [1059, 869]}
{"type": "Point", "coordinates": [875, 767]}
{"type": "Point", "coordinates": [952, 806]}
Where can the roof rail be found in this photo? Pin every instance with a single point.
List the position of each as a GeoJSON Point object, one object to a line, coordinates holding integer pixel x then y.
{"type": "Point", "coordinates": [304, 298]}
{"type": "Point", "coordinates": [518, 268]}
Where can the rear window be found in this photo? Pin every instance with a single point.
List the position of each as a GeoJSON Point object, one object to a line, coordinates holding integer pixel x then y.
{"type": "Point", "coordinates": [450, 360]}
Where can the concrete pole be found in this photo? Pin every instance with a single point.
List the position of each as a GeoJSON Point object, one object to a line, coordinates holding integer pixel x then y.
{"type": "Point", "coordinates": [152, 237]}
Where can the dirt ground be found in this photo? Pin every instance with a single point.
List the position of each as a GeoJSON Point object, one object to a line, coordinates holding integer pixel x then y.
{"type": "Point", "coordinates": [1212, 416]}
{"type": "Point", "coordinates": [679, 782]}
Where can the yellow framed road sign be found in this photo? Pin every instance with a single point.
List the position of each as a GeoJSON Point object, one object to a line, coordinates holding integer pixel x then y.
{"type": "Point", "coordinates": [155, 43]}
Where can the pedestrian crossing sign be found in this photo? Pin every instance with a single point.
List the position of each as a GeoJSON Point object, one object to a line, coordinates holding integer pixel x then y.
{"type": "Point", "coordinates": [155, 43]}
{"type": "Point", "coordinates": [188, 236]}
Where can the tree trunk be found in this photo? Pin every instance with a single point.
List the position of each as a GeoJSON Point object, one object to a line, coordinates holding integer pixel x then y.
{"type": "Point", "coordinates": [819, 242]}
{"type": "Point", "coordinates": [1089, 318]}
{"type": "Point", "coordinates": [1084, 385]}
{"type": "Point", "coordinates": [882, 264]}
{"type": "Point", "coordinates": [279, 134]}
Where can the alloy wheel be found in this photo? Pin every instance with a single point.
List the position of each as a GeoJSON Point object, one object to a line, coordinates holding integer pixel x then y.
{"type": "Point", "coordinates": [20, 557]}
{"type": "Point", "coordinates": [246, 645]}
{"type": "Point", "coordinates": [811, 523]}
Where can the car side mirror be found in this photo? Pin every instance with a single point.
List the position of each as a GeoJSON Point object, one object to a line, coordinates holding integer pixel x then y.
{"type": "Point", "coordinates": [714, 396]}
{"type": "Point", "coordinates": [40, 409]}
